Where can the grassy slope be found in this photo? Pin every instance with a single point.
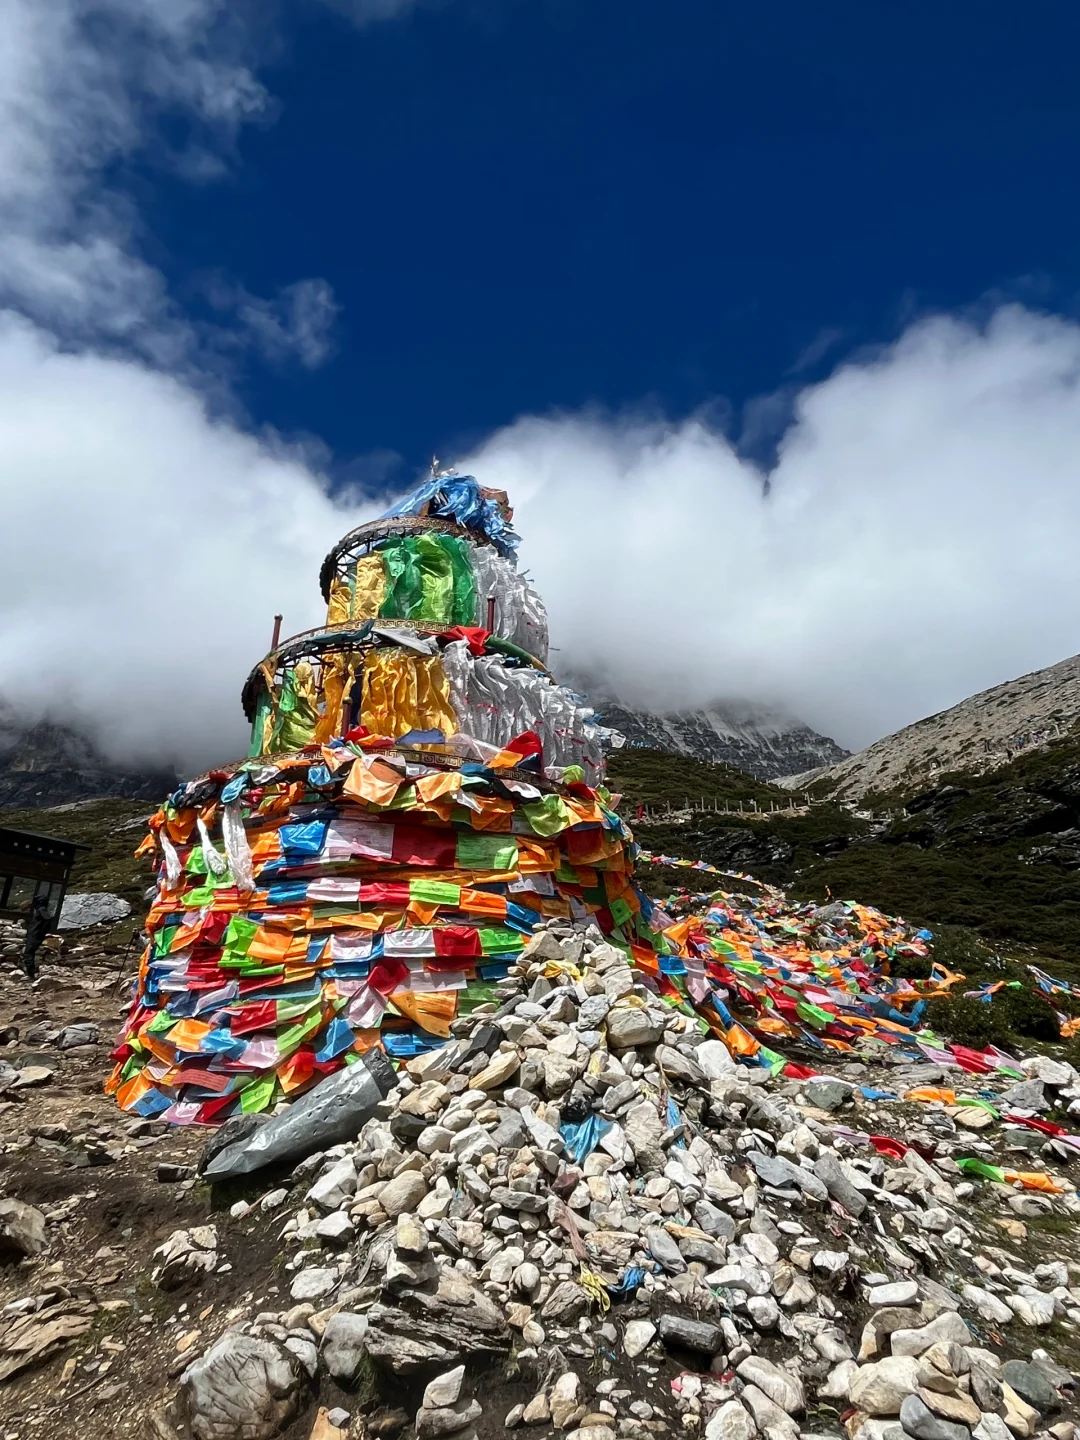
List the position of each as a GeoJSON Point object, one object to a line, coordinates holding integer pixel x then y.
{"type": "Point", "coordinates": [653, 777]}
{"type": "Point", "coordinates": [957, 861]}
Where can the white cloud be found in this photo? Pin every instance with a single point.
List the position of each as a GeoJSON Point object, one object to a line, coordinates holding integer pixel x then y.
{"type": "Point", "coordinates": [298, 323]}
{"type": "Point", "coordinates": [147, 547]}
{"type": "Point", "coordinates": [80, 84]}
{"type": "Point", "coordinates": [916, 543]}
{"type": "Point", "coordinates": [369, 12]}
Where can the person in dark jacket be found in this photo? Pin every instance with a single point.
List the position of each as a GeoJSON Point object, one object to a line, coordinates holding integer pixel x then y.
{"type": "Point", "coordinates": [37, 927]}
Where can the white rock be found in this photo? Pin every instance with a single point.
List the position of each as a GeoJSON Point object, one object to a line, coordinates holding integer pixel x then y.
{"type": "Point", "coordinates": [992, 1427]}
{"type": "Point", "coordinates": [628, 1029]}
{"type": "Point", "coordinates": [947, 1326]}
{"type": "Point", "coordinates": [880, 1388]}
{"type": "Point", "coordinates": [80, 911]}
{"type": "Point", "coordinates": [343, 1345]}
{"type": "Point", "coordinates": [335, 1186]}
{"type": "Point", "coordinates": [831, 1262]}
{"type": "Point", "coordinates": [241, 1385]}
{"type": "Point", "coordinates": [768, 1417]}
{"type": "Point", "coordinates": [900, 1292]}
{"type": "Point", "coordinates": [838, 1381]}
{"type": "Point", "coordinates": [1031, 1307]}
{"type": "Point", "coordinates": [444, 1390]}
{"type": "Point", "coordinates": [731, 1422]}
{"type": "Point", "coordinates": [715, 1060]}
{"type": "Point", "coordinates": [313, 1284]}
{"type": "Point", "coordinates": [763, 1311]}
{"type": "Point", "coordinates": [760, 1247]}
{"type": "Point", "coordinates": [990, 1307]}
{"type": "Point", "coordinates": [1050, 1072]}
{"type": "Point", "coordinates": [780, 1386]}
{"type": "Point", "coordinates": [637, 1337]}
{"type": "Point", "coordinates": [335, 1229]}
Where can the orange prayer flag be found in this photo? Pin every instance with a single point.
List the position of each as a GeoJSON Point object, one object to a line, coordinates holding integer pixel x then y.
{"type": "Point", "coordinates": [187, 1035]}
{"type": "Point", "coordinates": [373, 780]}
{"type": "Point", "coordinates": [432, 1012]}
{"type": "Point", "coordinates": [434, 787]}
{"type": "Point", "coordinates": [482, 902]}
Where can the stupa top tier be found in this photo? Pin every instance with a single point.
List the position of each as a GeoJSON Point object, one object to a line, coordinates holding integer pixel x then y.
{"type": "Point", "coordinates": [431, 636]}
{"type": "Point", "coordinates": [441, 557]}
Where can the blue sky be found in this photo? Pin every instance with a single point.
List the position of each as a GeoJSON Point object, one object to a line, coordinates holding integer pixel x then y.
{"type": "Point", "coordinates": [526, 204]}
{"type": "Point", "coordinates": [764, 315]}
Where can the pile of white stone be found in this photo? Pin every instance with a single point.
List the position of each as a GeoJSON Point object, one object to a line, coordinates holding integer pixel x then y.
{"type": "Point", "coordinates": [584, 1212]}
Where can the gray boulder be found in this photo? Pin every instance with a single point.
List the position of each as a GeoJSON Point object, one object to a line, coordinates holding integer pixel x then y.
{"type": "Point", "coordinates": [79, 912]}
{"type": "Point", "coordinates": [241, 1389]}
{"type": "Point", "coordinates": [830, 1172]}
{"type": "Point", "coordinates": [1030, 1384]}
{"type": "Point", "coordinates": [439, 1330]}
{"type": "Point", "coordinates": [22, 1231]}
{"type": "Point", "coordinates": [631, 1028]}
{"type": "Point", "coordinates": [343, 1345]}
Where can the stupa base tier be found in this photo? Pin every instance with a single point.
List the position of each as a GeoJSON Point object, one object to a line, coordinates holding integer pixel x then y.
{"type": "Point", "coordinates": [314, 907]}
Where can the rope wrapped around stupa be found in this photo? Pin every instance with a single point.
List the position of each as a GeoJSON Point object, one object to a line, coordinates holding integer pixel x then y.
{"type": "Point", "coordinates": [419, 796]}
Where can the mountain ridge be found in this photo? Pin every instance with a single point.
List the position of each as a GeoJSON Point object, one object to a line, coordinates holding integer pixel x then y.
{"type": "Point", "coordinates": [47, 764]}
{"type": "Point", "coordinates": [981, 733]}
{"type": "Point", "coordinates": [761, 742]}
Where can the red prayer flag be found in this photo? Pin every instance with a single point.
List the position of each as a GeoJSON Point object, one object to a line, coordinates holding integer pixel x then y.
{"type": "Point", "coordinates": [388, 975]}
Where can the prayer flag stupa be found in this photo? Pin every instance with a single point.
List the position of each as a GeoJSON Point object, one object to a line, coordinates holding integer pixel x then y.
{"type": "Point", "coordinates": [418, 796]}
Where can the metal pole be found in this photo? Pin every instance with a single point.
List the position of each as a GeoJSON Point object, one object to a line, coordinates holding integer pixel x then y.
{"type": "Point", "coordinates": [277, 632]}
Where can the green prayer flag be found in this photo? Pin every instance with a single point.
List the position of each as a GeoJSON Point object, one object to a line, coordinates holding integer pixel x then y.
{"type": "Point", "coordinates": [548, 816]}
{"type": "Point", "coordinates": [494, 939]}
{"type": "Point", "coordinates": [300, 1005]}
{"type": "Point", "coordinates": [240, 934]}
{"type": "Point", "coordinates": [971, 1166]}
{"type": "Point", "coordinates": [620, 911]}
{"type": "Point", "coordinates": [292, 1038]}
{"type": "Point", "coordinates": [434, 892]}
{"type": "Point", "coordinates": [196, 899]}
{"type": "Point", "coordinates": [258, 1095]}
{"type": "Point", "coordinates": [480, 850]}
{"type": "Point", "coordinates": [813, 1014]}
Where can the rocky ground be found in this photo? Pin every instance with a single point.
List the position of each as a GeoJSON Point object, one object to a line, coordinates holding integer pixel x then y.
{"type": "Point", "coordinates": [580, 1219]}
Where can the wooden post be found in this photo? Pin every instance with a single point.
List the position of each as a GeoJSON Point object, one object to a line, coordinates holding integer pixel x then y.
{"type": "Point", "coordinates": [491, 613]}
{"type": "Point", "coordinates": [277, 632]}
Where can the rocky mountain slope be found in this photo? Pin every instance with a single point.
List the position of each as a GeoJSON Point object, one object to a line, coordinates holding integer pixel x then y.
{"type": "Point", "coordinates": [49, 764]}
{"type": "Point", "coordinates": [761, 742]}
{"type": "Point", "coordinates": [982, 733]}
